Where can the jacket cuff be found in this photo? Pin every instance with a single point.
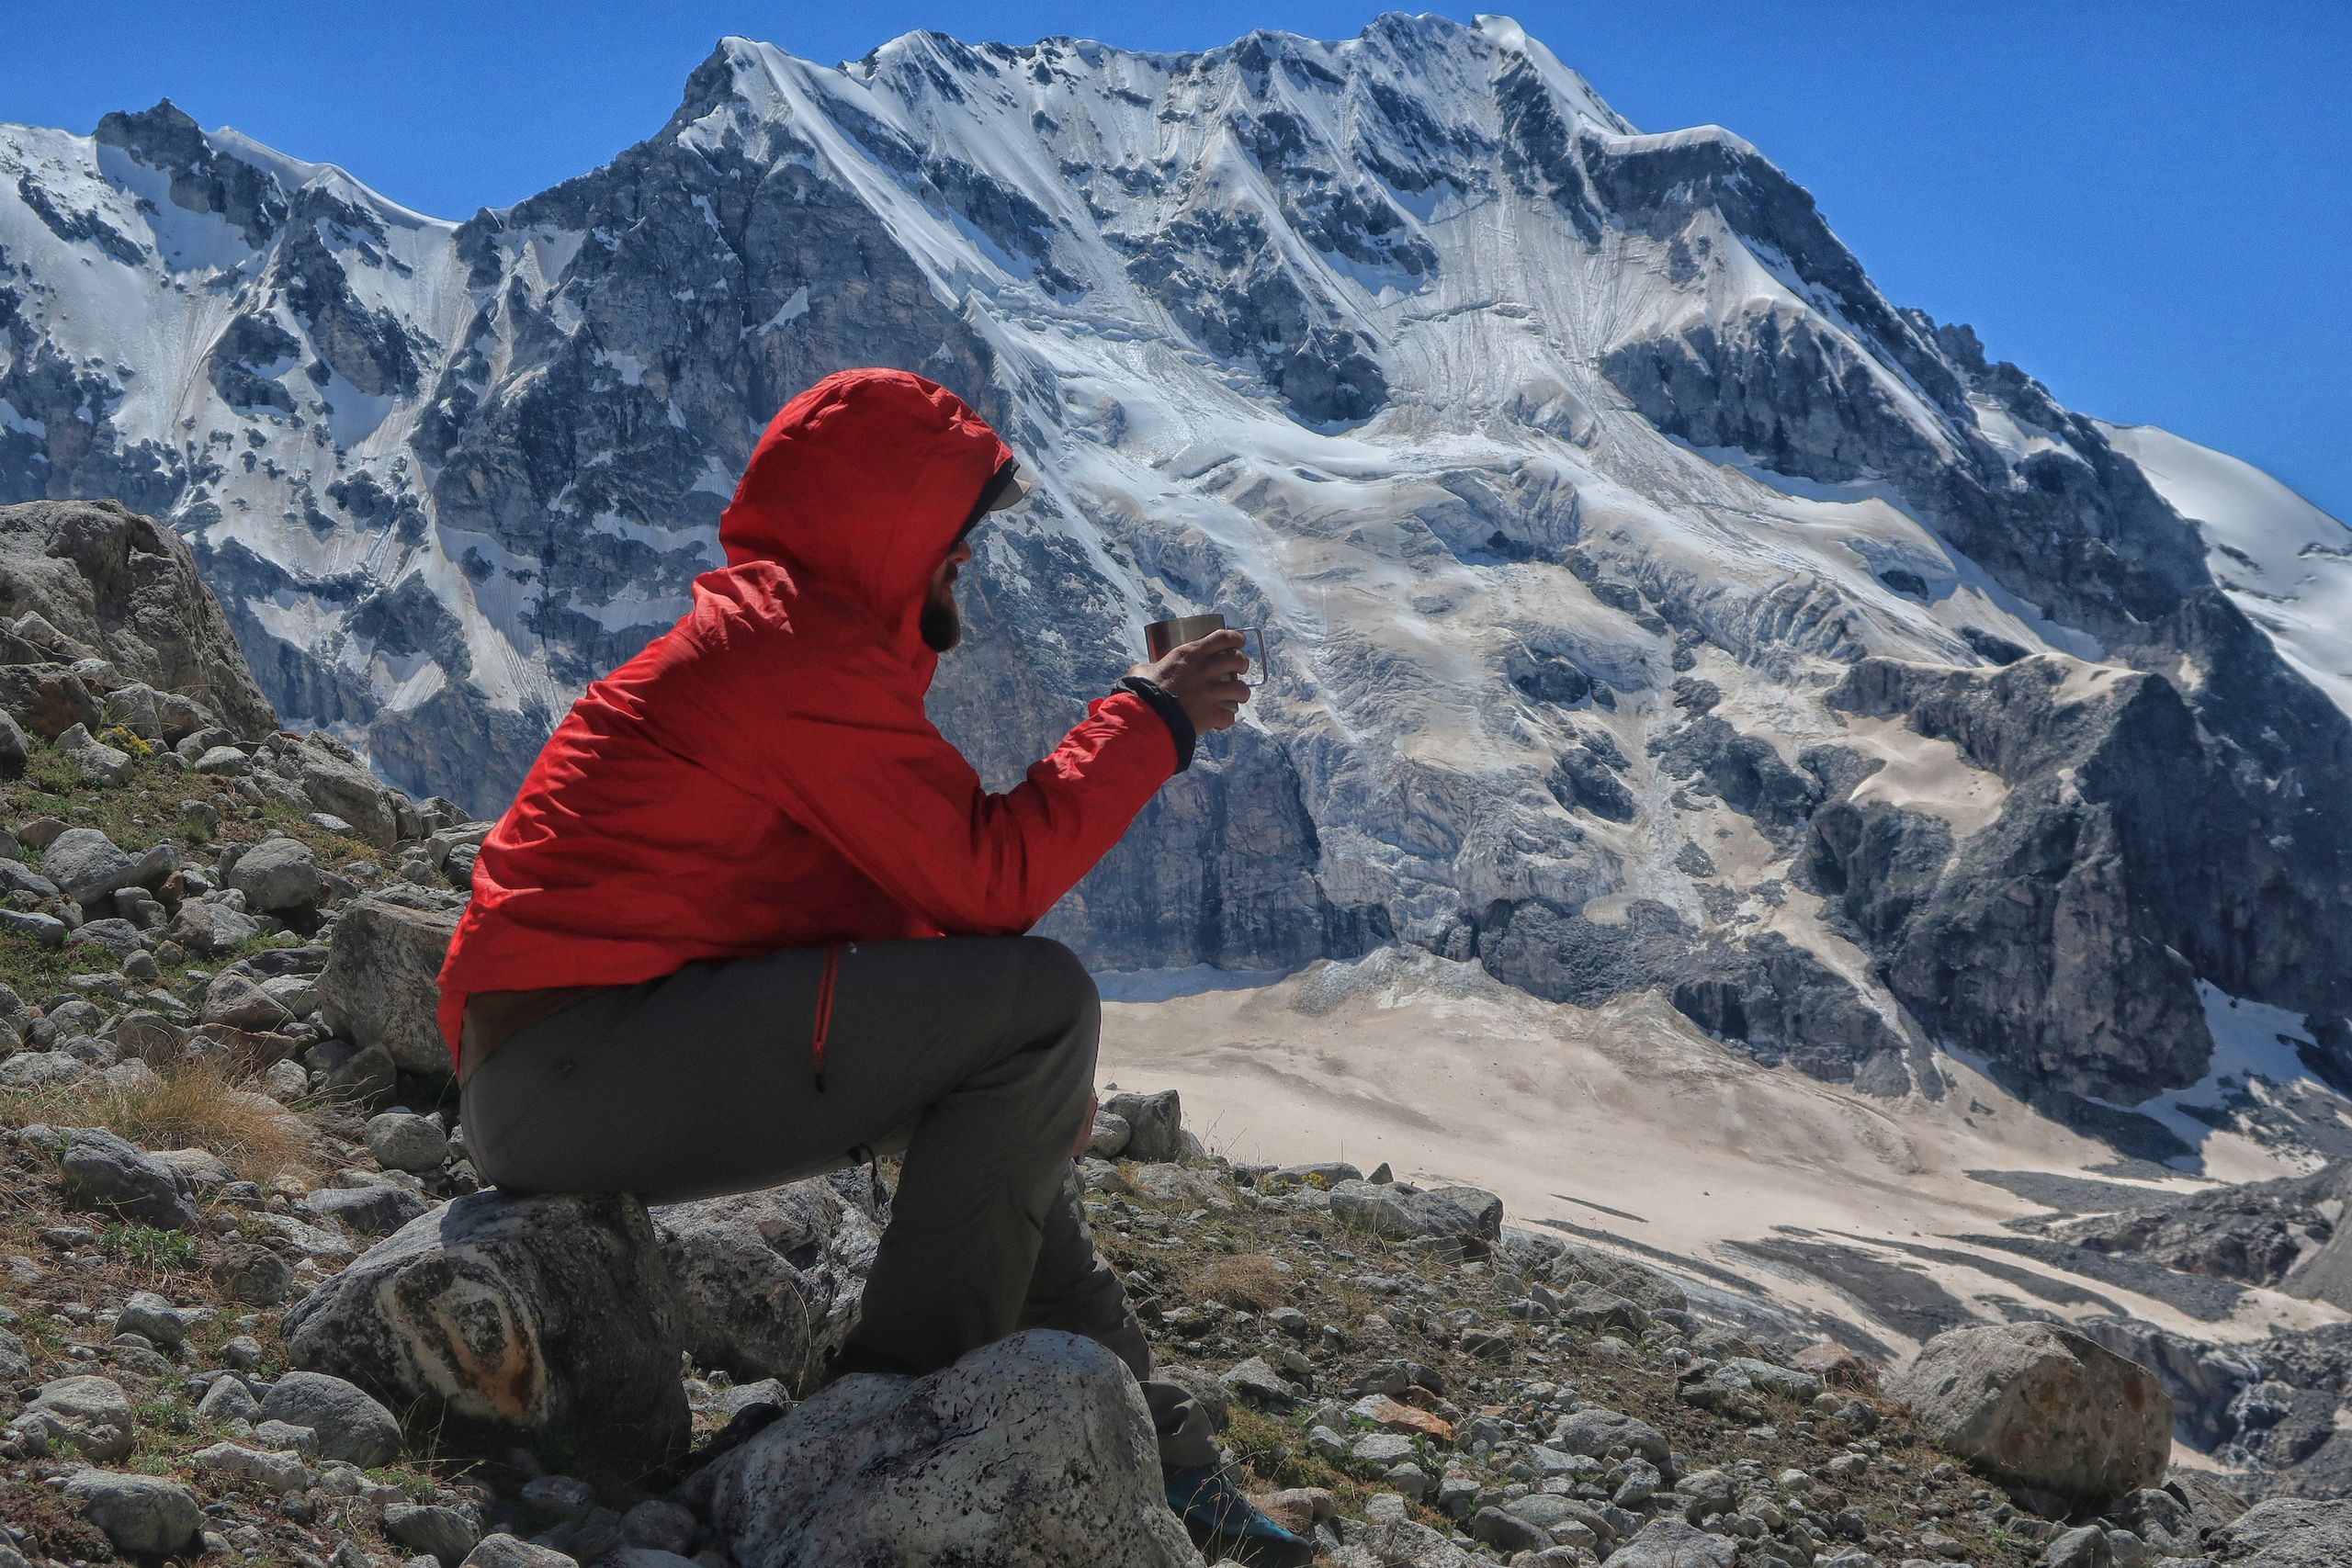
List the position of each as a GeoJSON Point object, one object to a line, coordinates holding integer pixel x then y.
{"type": "Point", "coordinates": [1171, 713]}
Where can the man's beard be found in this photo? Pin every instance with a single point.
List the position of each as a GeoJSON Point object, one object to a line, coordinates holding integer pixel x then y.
{"type": "Point", "coordinates": [942, 626]}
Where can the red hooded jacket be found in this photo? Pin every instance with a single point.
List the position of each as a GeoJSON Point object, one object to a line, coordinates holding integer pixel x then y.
{"type": "Point", "coordinates": [762, 774]}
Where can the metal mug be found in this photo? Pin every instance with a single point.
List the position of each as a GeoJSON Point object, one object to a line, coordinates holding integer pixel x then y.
{"type": "Point", "coordinates": [1161, 636]}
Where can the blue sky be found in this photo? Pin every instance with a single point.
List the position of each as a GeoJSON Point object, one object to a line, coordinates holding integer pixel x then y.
{"type": "Point", "coordinates": [2147, 206]}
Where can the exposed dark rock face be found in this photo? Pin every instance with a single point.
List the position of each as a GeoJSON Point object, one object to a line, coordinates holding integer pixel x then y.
{"type": "Point", "coordinates": [1307, 333]}
{"type": "Point", "coordinates": [2135, 854]}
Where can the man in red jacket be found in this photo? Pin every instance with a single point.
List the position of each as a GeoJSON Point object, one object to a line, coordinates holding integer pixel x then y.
{"type": "Point", "coordinates": [751, 914]}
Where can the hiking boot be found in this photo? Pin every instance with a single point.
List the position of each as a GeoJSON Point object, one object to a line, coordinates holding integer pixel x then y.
{"type": "Point", "coordinates": [1223, 1524]}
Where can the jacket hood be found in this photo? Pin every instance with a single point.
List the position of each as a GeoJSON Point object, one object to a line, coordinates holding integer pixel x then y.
{"type": "Point", "coordinates": [859, 486]}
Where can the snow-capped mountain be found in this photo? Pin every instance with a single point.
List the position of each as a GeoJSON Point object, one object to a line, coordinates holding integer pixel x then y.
{"type": "Point", "coordinates": [1651, 603]}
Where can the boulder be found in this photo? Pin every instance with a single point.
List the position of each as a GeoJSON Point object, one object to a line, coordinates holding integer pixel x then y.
{"type": "Point", "coordinates": [1467, 1218]}
{"type": "Point", "coordinates": [2288, 1532]}
{"type": "Point", "coordinates": [140, 1513]}
{"type": "Point", "coordinates": [339, 784]}
{"type": "Point", "coordinates": [94, 758]}
{"type": "Point", "coordinates": [1609, 1434]}
{"type": "Point", "coordinates": [2034, 1404]}
{"type": "Point", "coordinates": [1034, 1452]}
{"type": "Point", "coordinates": [212, 923]}
{"type": "Point", "coordinates": [1155, 1124]}
{"type": "Point", "coordinates": [350, 1424]}
{"type": "Point", "coordinates": [47, 699]}
{"type": "Point", "coordinates": [15, 750]}
{"type": "Point", "coordinates": [1109, 1138]}
{"type": "Point", "coordinates": [401, 1140]}
{"type": "Point", "coordinates": [503, 1550]}
{"type": "Point", "coordinates": [276, 874]}
{"type": "Point", "coordinates": [381, 981]}
{"type": "Point", "coordinates": [1672, 1543]}
{"type": "Point", "coordinates": [88, 1415]}
{"type": "Point", "coordinates": [236, 998]}
{"type": "Point", "coordinates": [768, 1282]}
{"type": "Point", "coordinates": [512, 1314]}
{"type": "Point", "coordinates": [444, 1533]}
{"type": "Point", "coordinates": [86, 866]}
{"type": "Point", "coordinates": [103, 1171]}
{"type": "Point", "coordinates": [377, 1209]}
{"type": "Point", "coordinates": [100, 577]}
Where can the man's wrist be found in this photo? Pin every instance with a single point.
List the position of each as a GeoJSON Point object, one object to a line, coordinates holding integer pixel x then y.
{"type": "Point", "coordinates": [1163, 702]}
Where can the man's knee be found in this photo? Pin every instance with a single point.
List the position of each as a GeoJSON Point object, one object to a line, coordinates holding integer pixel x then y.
{"type": "Point", "coordinates": [1058, 985]}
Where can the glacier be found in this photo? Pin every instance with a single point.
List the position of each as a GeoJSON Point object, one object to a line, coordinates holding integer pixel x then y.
{"type": "Point", "coordinates": [1651, 604]}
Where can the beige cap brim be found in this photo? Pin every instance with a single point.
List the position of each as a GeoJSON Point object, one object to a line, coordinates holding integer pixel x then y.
{"type": "Point", "coordinates": [1012, 492]}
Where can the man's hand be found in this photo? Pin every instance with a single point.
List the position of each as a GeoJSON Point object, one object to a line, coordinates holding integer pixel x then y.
{"type": "Point", "coordinates": [1206, 676]}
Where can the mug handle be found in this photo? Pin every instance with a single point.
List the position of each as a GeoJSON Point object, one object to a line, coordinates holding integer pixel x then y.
{"type": "Point", "coordinates": [1259, 633]}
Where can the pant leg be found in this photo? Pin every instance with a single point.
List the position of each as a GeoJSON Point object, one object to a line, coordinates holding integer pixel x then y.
{"type": "Point", "coordinates": [701, 1083]}
{"type": "Point", "coordinates": [1075, 1291]}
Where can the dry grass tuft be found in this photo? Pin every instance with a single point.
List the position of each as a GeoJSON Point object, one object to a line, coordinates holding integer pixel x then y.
{"type": "Point", "coordinates": [197, 1103]}
{"type": "Point", "coordinates": [1250, 1281]}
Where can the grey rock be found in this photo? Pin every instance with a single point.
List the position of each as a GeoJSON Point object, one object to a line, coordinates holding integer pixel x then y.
{"type": "Point", "coordinates": [281, 1473]}
{"type": "Point", "coordinates": [42, 1069]}
{"type": "Point", "coordinates": [18, 877]}
{"type": "Point", "coordinates": [1463, 1217]}
{"type": "Point", "coordinates": [382, 986]}
{"type": "Point", "coordinates": [14, 749]}
{"type": "Point", "coordinates": [2041, 1407]}
{"type": "Point", "coordinates": [1609, 1434]}
{"type": "Point", "coordinates": [47, 930]}
{"type": "Point", "coordinates": [102, 1171]}
{"type": "Point", "coordinates": [254, 1275]}
{"type": "Point", "coordinates": [2288, 1532]}
{"type": "Point", "coordinates": [1155, 1124]}
{"type": "Point", "coordinates": [119, 938]}
{"type": "Point", "coordinates": [1507, 1532]}
{"type": "Point", "coordinates": [1109, 1138]}
{"type": "Point", "coordinates": [1032, 1453]}
{"type": "Point", "coordinates": [1255, 1383]}
{"type": "Point", "coordinates": [148, 1314]}
{"type": "Point", "coordinates": [445, 1533]}
{"type": "Point", "coordinates": [660, 1525]}
{"type": "Point", "coordinates": [292, 1435]}
{"type": "Point", "coordinates": [509, 1316]}
{"type": "Point", "coordinates": [2081, 1548]}
{"type": "Point", "coordinates": [767, 1283]}
{"type": "Point", "coordinates": [211, 924]}
{"type": "Point", "coordinates": [228, 1399]}
{"type": "Point", "coordinates": [95, 759]}
{"type": "Point", "coordinates": [502, 1551]}
{"type": "Point", "coordinates": [138, 1513]}
{"type": "Point", "coordinates": [350, 1423]}
{"type": "Point", "coordinates": [86, 865]}
{"type": "Point", "coordinates": [91, 1414]}
{"type": "Point", "coordinates": [276, 874]}
{"type": "Point", "coordinates": [106, 578]}
{"type": "Point", "coordinates": [1399, 1542]}
{"type": "Point", "coordinates": [403, 1141]}
{"type": "Point", "coordinates": [378, 1209]}
{"type": "Point", "coordinates": [236, 998]}
{"type": "Point", "coordinates": [1672, 1543]}
{"type": "Point", "coordinates": [224, 762]}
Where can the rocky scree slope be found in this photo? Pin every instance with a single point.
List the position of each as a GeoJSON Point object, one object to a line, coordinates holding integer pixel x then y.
{"type": "Point", "coordinates": [1651, 602]}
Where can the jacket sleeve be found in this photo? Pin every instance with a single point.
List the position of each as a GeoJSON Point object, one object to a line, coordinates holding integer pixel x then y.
{"type": "Point", "coordinates": [847, 751]}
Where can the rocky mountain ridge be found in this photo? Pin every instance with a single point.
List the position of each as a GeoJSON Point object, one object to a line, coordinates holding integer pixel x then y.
{"type": "Point", "coordinates": [1651, 603]}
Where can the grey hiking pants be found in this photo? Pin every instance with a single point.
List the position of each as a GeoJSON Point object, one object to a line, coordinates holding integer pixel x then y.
{"type": "Point", "coordinates": [973, 1054]}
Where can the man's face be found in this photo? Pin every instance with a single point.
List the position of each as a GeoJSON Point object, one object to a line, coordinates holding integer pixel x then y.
{"type": "Point", "coordinates": [943, 627]}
